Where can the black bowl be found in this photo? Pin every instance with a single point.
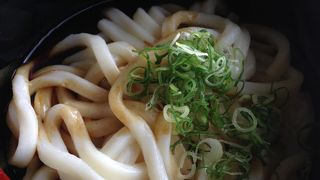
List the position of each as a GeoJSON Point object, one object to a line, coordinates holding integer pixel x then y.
{"type": "Point", "coordinates": [83, 20]}
{"type": "Point", "coordinates": [289, 21]}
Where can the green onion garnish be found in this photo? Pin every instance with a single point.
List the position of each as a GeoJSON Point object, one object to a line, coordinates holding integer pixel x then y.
{"type": "Point", "coordinates": [192, 82]}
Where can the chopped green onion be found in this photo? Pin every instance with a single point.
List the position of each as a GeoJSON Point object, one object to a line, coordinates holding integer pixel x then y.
{"type": "Point", "coordinates": [249, 116]}
{"type": "Point", "coordinates": [168, 109]}
{"type": "Point", "coordinates": [195, 84]}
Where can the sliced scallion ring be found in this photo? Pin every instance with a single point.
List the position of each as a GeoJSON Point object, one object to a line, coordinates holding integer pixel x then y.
{"type": "Point", "coordinates": [251, 118]}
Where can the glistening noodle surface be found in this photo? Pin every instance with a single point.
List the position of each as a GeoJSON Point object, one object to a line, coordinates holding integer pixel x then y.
{"type": "Point", "coordinates": [148, 98]}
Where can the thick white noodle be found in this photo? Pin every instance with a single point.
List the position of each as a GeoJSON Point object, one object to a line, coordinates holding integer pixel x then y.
{"type": "Point", "coordinates": [51, 68]}
{"type": "Point", "coordinates": [263, 57]}
{"type": "Point", "coordinates": [138, 127]}
{"type": "Point", "coordinates": [104, 37]}
{"type": "Point", "coordinates": [82, 55]}
{"type": "Point", "coordinates": [249, 66]}
{"type": "Point", "coordinates": [87, 109]}
{"type": "Point", "coordinates": [260, 46]}
{"type": "Point", "coordinates": [101, 163]}
{"type": "Point", "coordinates": [130, 154]}
{"type": "Point", "coordinates": [117, 143]}
{"type": "Point", "coordinates": [149, 116]}
{"type": "Point", "coordinates": [147, 22]}
{"type": "Point", "coordinates": [94, 74]}
{"type": "Point", "coordinates": [243, 42]}
{"type": "Point", "coordinates": [122, 138]}
{"type": "Point", "coordinates": [68, 142]}
{"type": "Point", "coordinates": [126, 23]}
{"type": "Point", "coordinates": [83, 65]}
{"type": "Point", "coordinates": [42, 102]}
{"type": "Point", "coordinates": [26, 116]}
{"type": "Point", "coordinates": [158, 14]}
{"type": "Point", "coordinates": [292, 80]}
{"type": "Point", "coordinates": [116, 33]}
{"type": "Point", "coordinates": [72, 82]}
{"type": "Point", "coordinates": [55, 158]}
{"type": "Point", "coordinates": [281, 61]}
{"type": "Point", "coordinates": [99, 49]}
{"type": "Point", "coordinates": [124, 51]}
{"type": "Point", "coordinates": [102, 127]}
{"type": "Point", "coordinates": [12, 121]}
{"type": "Point", "coordinates": [229, 31]}
{"type": "Point", "coordinates": [163, 131]}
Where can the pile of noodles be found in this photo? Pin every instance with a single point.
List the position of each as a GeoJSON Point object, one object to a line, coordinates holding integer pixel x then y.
{"type": "Point", "coordinates": [73, 121]}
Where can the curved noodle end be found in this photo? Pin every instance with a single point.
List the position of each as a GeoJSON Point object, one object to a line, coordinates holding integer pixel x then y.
{"type": "Point", "coordinates": [172, 23]}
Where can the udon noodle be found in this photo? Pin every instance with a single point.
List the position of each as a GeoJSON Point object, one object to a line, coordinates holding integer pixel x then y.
{"type": "Point", "coordinates": [105, 112]}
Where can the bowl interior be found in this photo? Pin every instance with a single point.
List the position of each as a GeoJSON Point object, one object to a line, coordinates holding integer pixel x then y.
{"type": "Point", "coordinates": [86, 21]}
